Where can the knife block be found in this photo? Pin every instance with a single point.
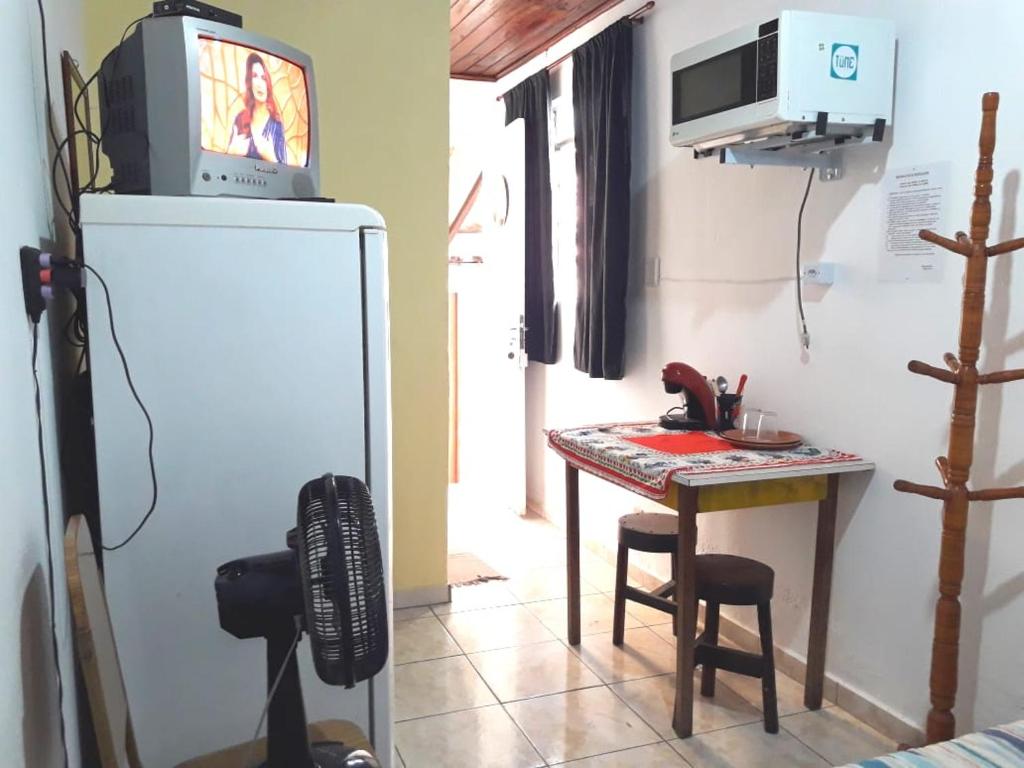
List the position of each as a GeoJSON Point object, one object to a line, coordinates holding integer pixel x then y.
{"type": "Point", "coordinates": [728, 410]}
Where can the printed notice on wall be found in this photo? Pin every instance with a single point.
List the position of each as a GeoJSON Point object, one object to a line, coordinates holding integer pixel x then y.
{"type": "Point", "coordinates": [915, 199]}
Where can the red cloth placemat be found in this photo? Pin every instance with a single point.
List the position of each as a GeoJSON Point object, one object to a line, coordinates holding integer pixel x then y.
{"type": "Point", "coordinates": [683, 443]}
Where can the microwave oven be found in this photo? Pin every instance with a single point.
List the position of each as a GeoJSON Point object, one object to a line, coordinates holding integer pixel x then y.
{"type": "Point", "coordinates": [801, 75]}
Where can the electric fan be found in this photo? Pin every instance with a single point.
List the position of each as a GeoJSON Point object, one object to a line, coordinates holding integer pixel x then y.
{"type": "Point", "coordinates": [328, 583]}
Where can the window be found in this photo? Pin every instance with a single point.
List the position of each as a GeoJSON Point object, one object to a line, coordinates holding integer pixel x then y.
{"type": "Point", "coordinates": [563, 189]}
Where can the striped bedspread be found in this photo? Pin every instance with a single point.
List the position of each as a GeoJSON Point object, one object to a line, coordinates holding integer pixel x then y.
{"type": "Point", "coordinates": [1000, 747]}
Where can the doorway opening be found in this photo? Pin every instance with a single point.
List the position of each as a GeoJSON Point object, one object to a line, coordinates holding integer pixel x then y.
{"type": "Point", "coordinates": [495, 395]}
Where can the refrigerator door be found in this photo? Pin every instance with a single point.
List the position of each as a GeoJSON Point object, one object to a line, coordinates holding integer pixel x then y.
{"type": "Point", "coordinates": [245, 329]}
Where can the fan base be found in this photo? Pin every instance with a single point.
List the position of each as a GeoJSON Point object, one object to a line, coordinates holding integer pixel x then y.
{"type": "Point", "coordinates": [331, 754]}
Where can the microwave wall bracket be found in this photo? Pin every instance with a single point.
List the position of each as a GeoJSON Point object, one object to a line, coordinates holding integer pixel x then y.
{"type": "Point", "coordinates": [829, 164]}
{"type": "Point", "coordinates": [807, 147]}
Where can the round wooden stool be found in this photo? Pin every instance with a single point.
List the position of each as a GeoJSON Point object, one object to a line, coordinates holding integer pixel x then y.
{"type": "Point", "coordinates": [720, 580]}
{"type": "Point", "coordinates": [644, 532]}
{"type": "Point", "coordinates": [732, 580]}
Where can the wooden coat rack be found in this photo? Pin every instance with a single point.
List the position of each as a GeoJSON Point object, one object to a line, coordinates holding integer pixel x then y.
{"type": "Point", "coordinates": [955, 470]}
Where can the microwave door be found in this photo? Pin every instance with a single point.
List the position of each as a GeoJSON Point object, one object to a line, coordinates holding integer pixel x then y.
{"type": "Point", "coordinates": [715, 85]}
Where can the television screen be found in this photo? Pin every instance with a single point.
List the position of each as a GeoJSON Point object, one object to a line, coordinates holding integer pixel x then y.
{"type": "Point", "coordinates": [252, 104]}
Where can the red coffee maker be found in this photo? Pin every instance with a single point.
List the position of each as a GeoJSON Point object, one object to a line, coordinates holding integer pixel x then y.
{"type": "Point", "coordinates": [700, 413]}
{"type": "Point", "coordinates": [703, 411]}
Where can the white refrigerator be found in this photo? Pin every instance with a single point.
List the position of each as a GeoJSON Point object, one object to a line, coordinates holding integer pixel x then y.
{"type": "Point", "coordinates": [256, 332]}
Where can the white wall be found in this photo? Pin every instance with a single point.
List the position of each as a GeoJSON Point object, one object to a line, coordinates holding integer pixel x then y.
{"type": "Point", "coordinates": [29, 733]}
{"type": "Point", "coordinates": [725, 237]}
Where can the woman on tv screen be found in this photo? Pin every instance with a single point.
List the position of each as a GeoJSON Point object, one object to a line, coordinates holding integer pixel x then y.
{"type": "Point", "coordinates": [258, 131]}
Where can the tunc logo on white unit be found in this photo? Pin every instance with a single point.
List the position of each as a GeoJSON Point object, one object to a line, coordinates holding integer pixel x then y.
{"type": "Point", "coordinates": [845, 58]}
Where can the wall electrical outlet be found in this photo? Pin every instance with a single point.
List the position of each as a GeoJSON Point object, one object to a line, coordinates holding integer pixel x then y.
{"type": "Point", "coordinates": [822, 273]}
{"type": "Point", "coordinates": [42, 275]}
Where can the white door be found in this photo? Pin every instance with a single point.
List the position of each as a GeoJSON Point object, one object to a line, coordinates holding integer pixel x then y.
{"type": "Point", "coordinates": [491, 336]}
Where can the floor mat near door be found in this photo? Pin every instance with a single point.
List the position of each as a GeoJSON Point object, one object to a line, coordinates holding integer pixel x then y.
{"type": "Point", "coordinates": [465, 568]}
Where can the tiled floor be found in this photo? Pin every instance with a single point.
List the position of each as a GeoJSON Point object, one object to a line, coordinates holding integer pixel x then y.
{"type": "Point", "coordinates": [488, 681]}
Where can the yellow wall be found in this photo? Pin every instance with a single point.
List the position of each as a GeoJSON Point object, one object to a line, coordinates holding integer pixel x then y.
{"type": "Point", "coordinates": [382, 81]}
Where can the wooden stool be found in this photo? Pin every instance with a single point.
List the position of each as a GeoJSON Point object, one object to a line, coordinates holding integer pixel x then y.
{"type": "Point", "coordinates": [644, 532]}
{"type": "Point", "coordinates": [721, 580]}
{"type": "Point", "coordinates": [732, 580]}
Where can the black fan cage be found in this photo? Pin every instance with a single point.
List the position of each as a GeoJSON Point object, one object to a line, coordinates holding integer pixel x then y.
{"type": "Point", "coordinates": [342, 579]}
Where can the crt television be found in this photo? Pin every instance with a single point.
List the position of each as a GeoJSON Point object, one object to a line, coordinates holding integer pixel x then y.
{"type": "Point", "coordinates": [193, 107]}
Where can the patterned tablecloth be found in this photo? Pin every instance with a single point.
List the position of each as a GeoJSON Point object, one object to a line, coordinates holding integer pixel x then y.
{"type": "Point", "coordinates": [643, 456]}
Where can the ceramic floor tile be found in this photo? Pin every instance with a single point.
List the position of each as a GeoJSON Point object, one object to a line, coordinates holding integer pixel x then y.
{"type": "Point", "coordinates": [664, 631]}
{"type": "Point", "coordinates": [476, 738]}
{"type": "Point", "coordinates": [520, 548]}
{"type": "Point", "coordinates": [837, 736]}
{"type": "Point", "coordinates": [650, 617]}
{"type": "Point", "coordinates": [515, 549]}
{"type": "Point", "coordinates": [540, 528]}
{"type": "Point", "coordinates": [596, 615]}
{"type": "Point", "coordinates": [642, 654]}
{"type": "Point", "coordinates": [538, 522]}
{"type": "Point", "coordinates": [589, 557]}
{"type": "Point", "coordinates": [436, 687]}
{"type": "Point", "coordinates": [492, 628]}
{"type": "Point", "coordinates": [747, 746]}
{"type": "Point", "coordinates": [598, 573]}
{"type": "Point", "coordinates": [651, 756]}
{"type": "Point", "coordinates": [532, 670]}
{"type": "Point", "coordinates": [397, 761]}
{"type": "Point", "coordinates": [545, 544]}
{"type": "Point", "coordinates": [788, 692]}
{"type": "Point", "coordinates": [654, 698]}
{"type": "Point", "coordinates": [490, 594]}
{"type": "Point", "coordinates": [407, 614]}
{"type": "Point", "coordinates": [568, 726]}
{"type": "Point", "coordinates": [516, 567]}
{"type": "Point", "coordinates": [547, 583]}
{"type": "Point", "coordinates": [422, 639]}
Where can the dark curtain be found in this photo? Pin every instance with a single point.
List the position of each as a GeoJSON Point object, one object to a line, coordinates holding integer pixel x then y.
{"type": "Point", "coordinates": [601, 89]}
{"type": "Point", "coordinates": [529, 100]}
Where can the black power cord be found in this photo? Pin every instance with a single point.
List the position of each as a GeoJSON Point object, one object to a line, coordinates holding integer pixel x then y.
{"type": "Point", "coordinates": [49, 544]}
{"type": "Point", "coordinates": [76, 324]}
{"type": "Point", "coordinates": [805, 337]}
{"type": "Point", "coordinates": [142, 407]}
{"type": "Point", "coordinates": [59, 158]}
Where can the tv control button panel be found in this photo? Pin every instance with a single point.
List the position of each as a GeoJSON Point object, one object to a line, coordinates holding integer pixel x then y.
{"type": "Point", "coordinates": [235, 178]}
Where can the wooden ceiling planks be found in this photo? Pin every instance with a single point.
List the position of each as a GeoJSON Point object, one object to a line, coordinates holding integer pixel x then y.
{"type": "Point", "coordinates": [490, 38]}
{"type": "Point", "coordinates": [496, 32]}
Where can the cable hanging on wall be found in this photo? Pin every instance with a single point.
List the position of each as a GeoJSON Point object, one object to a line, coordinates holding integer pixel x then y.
{"type": "Point", "coordinates": [805, 337]}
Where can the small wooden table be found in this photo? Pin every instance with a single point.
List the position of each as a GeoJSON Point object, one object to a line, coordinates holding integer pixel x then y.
{"type": "Point", "coordinates": [694, 493]}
